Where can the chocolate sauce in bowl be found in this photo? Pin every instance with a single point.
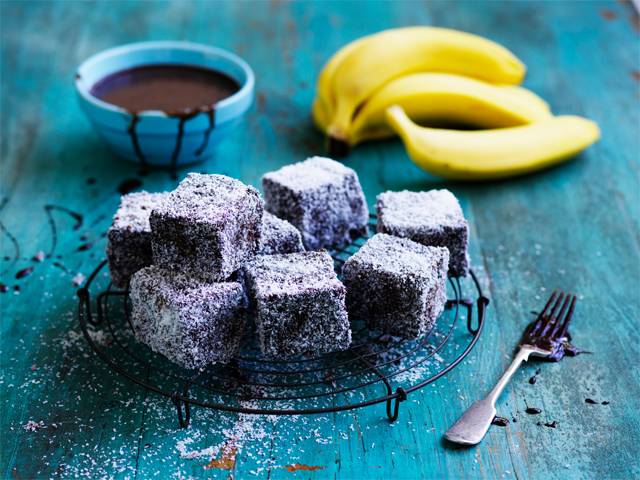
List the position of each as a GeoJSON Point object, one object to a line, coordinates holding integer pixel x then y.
{"type": "Point", "coordinates": [180, 91]}
{"type": "Point", "coordinates": [173, 89]}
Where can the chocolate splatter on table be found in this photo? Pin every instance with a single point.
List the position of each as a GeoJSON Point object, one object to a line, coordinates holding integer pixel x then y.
{"type": "Point", "coordinates": [575, 226]}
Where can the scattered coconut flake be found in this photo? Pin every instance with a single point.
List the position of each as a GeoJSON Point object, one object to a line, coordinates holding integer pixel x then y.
{"type": "Point", "coordinates": [32, 426]}
{"type": "Point", "coordinates": [78, 279]}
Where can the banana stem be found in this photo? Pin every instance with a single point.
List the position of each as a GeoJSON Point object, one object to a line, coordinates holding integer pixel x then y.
{"type": "Point", "coordinates": [399, 120]}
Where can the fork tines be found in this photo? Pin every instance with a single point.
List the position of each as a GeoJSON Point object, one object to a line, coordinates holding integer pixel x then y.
{"type": "Point", "coordinates": [553, 321]}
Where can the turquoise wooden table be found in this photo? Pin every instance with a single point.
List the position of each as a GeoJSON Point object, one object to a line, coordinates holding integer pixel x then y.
{"type": "Point", "coordinates": [65, 414]}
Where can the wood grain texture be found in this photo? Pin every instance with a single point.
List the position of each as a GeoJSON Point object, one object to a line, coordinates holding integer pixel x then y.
{"type": "Point", "coordinates": [574, 227]}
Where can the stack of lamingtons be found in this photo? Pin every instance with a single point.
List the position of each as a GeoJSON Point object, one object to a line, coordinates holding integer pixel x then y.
{"type": "Point", "coordinates": [212, 259]}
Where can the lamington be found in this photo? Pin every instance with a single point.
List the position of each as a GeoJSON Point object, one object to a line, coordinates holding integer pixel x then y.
{"type": "Point", "coordinates": [396, 286]}
{"type": "Point", "coordinates": [278, 236]}
{"type": "Point", "coordinates": [298, 304]}
{"type": "Point", "coordinates": [208, 227]}
{"type": "Point", "coordinates": [432, 218]}
{"type": "Point", "coordinates": [129, 237]}
{"type": "Point", "coordinates": [322, 198]}
{"type": "Point", "coordinates": [190, 322]}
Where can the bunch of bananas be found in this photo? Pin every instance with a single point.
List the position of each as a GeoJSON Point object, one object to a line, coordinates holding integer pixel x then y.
{"type": "Point", "coordinates": [391, 82]}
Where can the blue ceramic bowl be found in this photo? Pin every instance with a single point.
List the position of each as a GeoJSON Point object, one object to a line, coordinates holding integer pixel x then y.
{"type": "Point", "coordinates": [156, 133]}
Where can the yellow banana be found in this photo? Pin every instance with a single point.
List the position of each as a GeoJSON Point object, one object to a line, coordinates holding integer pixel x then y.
{"type": "Point", "coordinates": [393, 53]}
{"type": "Point", "coordinates": [490, 154]}
{"type": "Point", "coordinates": [437, 98]}
{"type": "Point", "coordinates": [324, 96]}
{"type": "Point", "coordinates": [319, 114]}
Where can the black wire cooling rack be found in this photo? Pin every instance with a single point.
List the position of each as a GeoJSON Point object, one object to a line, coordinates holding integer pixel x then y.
{"type": "Point", "coordinates": [377, 368]}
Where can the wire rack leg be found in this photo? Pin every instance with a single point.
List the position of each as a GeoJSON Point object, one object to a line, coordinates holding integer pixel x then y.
{"type": "Point", "coordinates": [400, 396]}
{"type": "Point", "coordinates": [183, 417]}
{"type": "Point", "coordinates": [482, 305]}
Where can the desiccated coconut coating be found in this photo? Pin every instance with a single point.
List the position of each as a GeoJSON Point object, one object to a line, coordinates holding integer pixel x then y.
{"type": "Point", "coordinates": [129, 237]}
{"type": "Point", "coordinates": [299, 304]}
{"type": "Point", "coordinates": [321, 198]}
{"type": "Point", "coordinates": [191, 323]}
{"type": "Point", "coordinates": [431, 218]}
{"type": "Point", "coordinates": [208, 226]}
{"type": "Point", "coordinates": [396, 285]}
{"type": "Point", "coordinates": [278, 236]}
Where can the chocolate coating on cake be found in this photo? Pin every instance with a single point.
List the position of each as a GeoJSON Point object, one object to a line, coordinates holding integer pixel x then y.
{"type": "Point", "coordinates": [396, 285]}
{"type": "Point", "coordinates": [129, 237]}
{"type": "Point", "coordinates": [191, 323]}
{"type": "Point", "coordinates": [299, 304]}
{"type": "Point", "coordinates": [432, 218]}
{"type": "Point", "coordinates": [208, 227]}
{"type": "Point", "coordinates": [322, 198]}
{"type": "Point", "coordinates": [278, 236]}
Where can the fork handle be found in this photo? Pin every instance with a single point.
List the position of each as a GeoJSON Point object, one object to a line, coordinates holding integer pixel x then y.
{"type": "Point", "coordinates": [475, 422]}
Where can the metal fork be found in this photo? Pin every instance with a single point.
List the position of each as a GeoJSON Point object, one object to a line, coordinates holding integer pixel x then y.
{"type": "Point", "coordinates": [544, 337]}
